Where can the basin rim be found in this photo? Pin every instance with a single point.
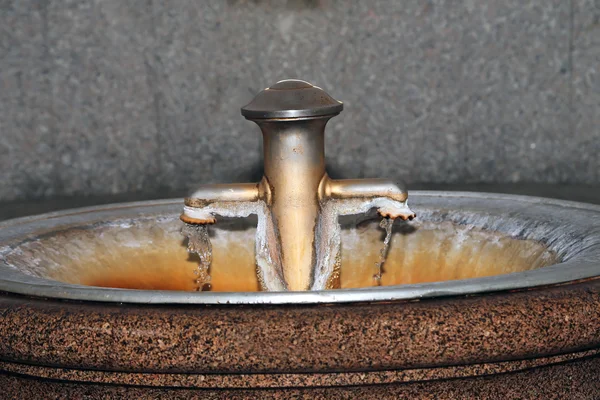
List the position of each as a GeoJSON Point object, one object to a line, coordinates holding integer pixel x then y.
{"type": "Point", "coordinates": [585, 266]}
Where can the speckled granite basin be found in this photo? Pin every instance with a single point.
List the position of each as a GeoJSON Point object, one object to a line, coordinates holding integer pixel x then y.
{"type": "Point", "coordinates": [522, 326]}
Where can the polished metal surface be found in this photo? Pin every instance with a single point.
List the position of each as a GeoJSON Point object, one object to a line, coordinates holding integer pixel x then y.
{"type": "Point", "coordinates": [292, 98]}
{"type": "Point", "coordinates": [569, 228]}
{"type": "Point", "coordinates": [363, 189]}
{"type": "Point", "coordinates": [294, 154]}
{"type": "Point", "coordinates": [292, 116]}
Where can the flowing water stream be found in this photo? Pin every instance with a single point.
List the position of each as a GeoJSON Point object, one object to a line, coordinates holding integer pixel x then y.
{"type": "Point", "coordinates": [387, 224]}
{"type": "Point", "coordinates": [199, 243]}
{"type": "Point", "coordinates": [268, 252]}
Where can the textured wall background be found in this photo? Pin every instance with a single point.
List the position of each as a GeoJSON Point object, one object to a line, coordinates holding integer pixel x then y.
{"type": "Point", "coordinates": [119, 96]}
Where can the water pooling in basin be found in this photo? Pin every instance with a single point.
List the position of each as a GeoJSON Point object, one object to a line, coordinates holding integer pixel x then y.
{"type": "Point", "coordinates": [150, 253]}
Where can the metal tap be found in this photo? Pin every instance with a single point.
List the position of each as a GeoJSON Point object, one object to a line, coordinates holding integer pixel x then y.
{"type": "Point", "coordinates": [295, 188]}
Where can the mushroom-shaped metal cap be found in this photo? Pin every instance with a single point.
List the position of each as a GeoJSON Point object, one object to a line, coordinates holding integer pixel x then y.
{"type": "Point", "coordinates": [292, 98]}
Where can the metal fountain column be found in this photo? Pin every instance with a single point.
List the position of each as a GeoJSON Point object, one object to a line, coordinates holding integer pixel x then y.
{"type": "Point", "coordinates": [292, 115]}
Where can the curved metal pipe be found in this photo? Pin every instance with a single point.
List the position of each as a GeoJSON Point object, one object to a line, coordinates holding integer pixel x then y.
{"type": "Point", "coordinates": [222, 193]}
{"type": "Point", "coordinates": [363, 188]}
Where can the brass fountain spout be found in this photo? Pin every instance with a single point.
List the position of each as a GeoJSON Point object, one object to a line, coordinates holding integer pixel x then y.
{"type": "Point", "coordinates": [295, 188]}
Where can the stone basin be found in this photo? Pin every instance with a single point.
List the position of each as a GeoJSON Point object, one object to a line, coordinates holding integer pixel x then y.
{"type": "Point", "coordinates": [483, 296]}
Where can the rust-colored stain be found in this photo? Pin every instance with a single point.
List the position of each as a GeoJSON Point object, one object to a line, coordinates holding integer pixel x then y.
{"type": "Point", "coordinates": [403, 217]}
{"type": "Point", "coordinates": [424, 255]}
{"type": "Point", "coordinates": [164, 266]}
{"type": "Point", "coordinates": [298, 150]}
{"type": "Point", "coordinates": [197, 221]}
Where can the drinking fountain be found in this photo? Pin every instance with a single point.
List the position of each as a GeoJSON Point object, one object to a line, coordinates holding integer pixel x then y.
{"type": "Point", "coordinates": [280, 289]}
{"type": "Point", "coordinates": [297, 201]}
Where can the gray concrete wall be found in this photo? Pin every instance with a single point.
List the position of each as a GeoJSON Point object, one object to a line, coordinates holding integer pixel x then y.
{"type": "Point", "coordinates": [100, 97]}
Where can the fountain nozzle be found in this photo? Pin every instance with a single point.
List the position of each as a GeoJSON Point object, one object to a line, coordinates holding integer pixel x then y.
{"type": "Point", "coordinates": [295, 191]}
